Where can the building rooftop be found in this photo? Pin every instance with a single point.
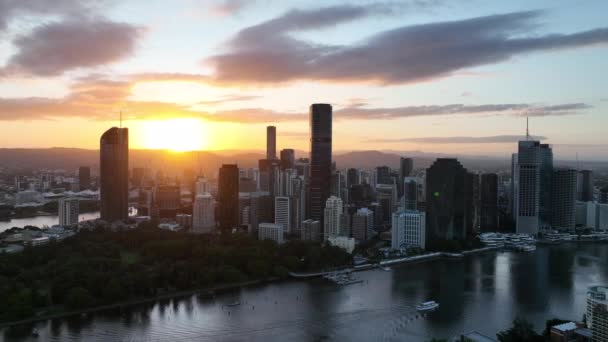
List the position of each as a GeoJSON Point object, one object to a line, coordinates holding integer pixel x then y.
{"type": "Point", "coordinates": [564, 327]}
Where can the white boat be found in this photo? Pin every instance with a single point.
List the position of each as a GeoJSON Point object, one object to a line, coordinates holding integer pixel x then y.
{"type": "Point", "coordinates": [528, 248]}
{"type": "Point", "coordinates": [237, 303]}
{"type": "Point", "coordinates": [427, 306]}
{"type": "Point", "coordinates": [386, 268]}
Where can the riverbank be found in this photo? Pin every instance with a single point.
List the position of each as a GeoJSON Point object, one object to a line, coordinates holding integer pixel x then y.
{"type": "Point", "coordinates": [171, 295]}
{"type": "Point", "coordinates": [416, 258]}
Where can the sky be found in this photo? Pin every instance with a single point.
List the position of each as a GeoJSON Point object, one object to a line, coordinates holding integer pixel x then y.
{"type": "Point", "coordinates": [454, 77]}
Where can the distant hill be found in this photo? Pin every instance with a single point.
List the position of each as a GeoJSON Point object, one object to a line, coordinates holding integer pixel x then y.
{"type": "Point", "coordinates": [210, 161]}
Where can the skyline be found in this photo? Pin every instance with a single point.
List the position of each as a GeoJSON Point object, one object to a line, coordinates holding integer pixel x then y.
{"type": "Point", "coordinates": [464, 96]}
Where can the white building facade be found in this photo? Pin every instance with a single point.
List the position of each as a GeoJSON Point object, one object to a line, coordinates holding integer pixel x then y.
{"type": "Point", "coordinates": [408, 229]}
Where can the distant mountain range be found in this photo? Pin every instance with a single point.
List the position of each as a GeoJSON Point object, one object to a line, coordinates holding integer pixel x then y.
{"type": "Point", "coordinates": [210, 161]}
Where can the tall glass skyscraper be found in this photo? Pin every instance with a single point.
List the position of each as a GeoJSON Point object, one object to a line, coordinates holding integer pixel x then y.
{"type": "Point", "coordinates": [114, 174]}
{"type": "Point", "coordinates": [271, 142]}
{"type": "Point", "coordinates": [228, 197]}
{"type": "Point", "coordinates": [320, 158]}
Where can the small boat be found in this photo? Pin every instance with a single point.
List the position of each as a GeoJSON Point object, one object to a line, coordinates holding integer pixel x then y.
{"type": "Point", "coordinates": [427, 306]}
{"type": "Point", "coordinates": [386, 268]}
{"type": "Point", "coordinates": [237, 303]}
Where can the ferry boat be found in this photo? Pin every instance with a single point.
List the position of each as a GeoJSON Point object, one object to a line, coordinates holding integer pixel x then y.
{"type": "Point", "coordinates": [237, 303]}
{"type": "Point", "coordinates": [427, 306]}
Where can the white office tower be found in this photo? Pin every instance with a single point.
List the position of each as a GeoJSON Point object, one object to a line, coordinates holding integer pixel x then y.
{"type": "Point", "coordinates": [332, 217]}
{"type": "Point", "coordinates": [601, 216]}
{"type": "Point", "coordinates": [311, 230]}
{"type": "Point", "coordinates": [527, 187]}
{"type": "Point", "coordinates": [201, 186]}
{"type": "Point", "coordinates": [408, 228]}
{"type": "Point", "coordinates": [282, 213]}
{"type": "Point", "coordinates": [363, 224]}
{"type": "Point", "coordinates": [68, 211]}
{"type": "Point", "coordinates": [271, 231]}
{"type": "Point", "coordinates": [596, 315]}
{"type": "Point", "coordinates": [203, 213]}
{"type": "Point", "coordinates": [285, 179]}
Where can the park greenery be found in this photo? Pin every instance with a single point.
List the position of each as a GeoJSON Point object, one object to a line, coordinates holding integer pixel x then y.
{"type": "Point", "coordinates": [102, 267]}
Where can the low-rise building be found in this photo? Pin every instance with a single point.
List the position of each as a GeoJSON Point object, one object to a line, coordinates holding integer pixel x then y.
{"type": "Point", "coordinates": [271, 231]}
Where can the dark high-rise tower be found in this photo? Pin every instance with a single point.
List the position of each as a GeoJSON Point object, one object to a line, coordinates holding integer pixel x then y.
{"type": "Point", "coordinates": [406, 165]}
{"type": "Point", "coordinates": [449, 198]}
{"type": "Point", "coordinates": [352, 177]}
{"type": "Point", "coordinates": [114, 174]}
{"type": "Point", "coordinates": [228, 197]}
{"type": "Point", "coordinates": [320, 158]}
{"type": "Point", "coordinates": [563, 199]}
{"type": "Point", "coordinates": [489, 203]}
{"type": "Point", "coordinates": [288, 159]}
{"type": "Point", "coordinates": [271, 142]}
{"type": "Point", "coordinates": [585, 186]}
{"type": "Point", "coordinates": [84, 177]}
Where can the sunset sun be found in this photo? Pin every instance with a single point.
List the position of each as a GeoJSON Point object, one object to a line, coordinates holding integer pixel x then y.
{"type": "Point", "coordinates": [177, 135]}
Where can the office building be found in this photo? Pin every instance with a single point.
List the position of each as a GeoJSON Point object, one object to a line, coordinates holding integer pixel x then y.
{"type": "Point", "coordinates": [203, 213]}
{"type": "Point", "coordinates": [352, 177]}
{"type": "Point", "coordinates": [271, 142]}
{"type": "Point", "coordinates": [261, 209]}
{"type": "Point", "coordinates": [310, 230]}
{"type": "Point", "coordinates": [84, 177]}
{"type": "Point", "coordinates": [585, 186]}
{"type": "Point", "coordinates": [332, 220]}
{"type": "Point", "coordinates": [601, 216]}
{"type": "Point", "coordinates": [586, 215]}
{"type": "Point", "coordinates": [288, 159]}
{"type": "Point", "coordinates": [68, 211]}
{"type": "Point", "coordinates": [604, 195]}
{"type": "Point", "coordinates": [271, 231]}
{"type": "Point", "coordinates": [449, 213]}
{"type": "Point", "coordinates": [408, 229]}
{"type": "Point", "coordinates": [597, 312]}
{"type": "Point", "coordinates": [363, 224]}
{"type": "Point", "coordinates": [114, 174]}
{"type": "Point", "coordinates": [406, 166]}
{"type": "Point", "coordinates": [489, 203]}
{"type": "Point", "coordinates": [383, 175]}
{"type": "Point", "coordinates": [527, 187]}
{"type": "Point", "coordinates": [138, 175]}
{"type": "Point", "coordinates": [320, 159]}
{"type": "Point", "coordinates": [168, 198]}
{"type": "Point", "coordinates": [228, 197]}
{"type": "Point", "coordinates": [344, 242]}
{"type": "Point", "coordinates": [563, 201]}
{"type": "Point", "coordinates": [283, 213]}
{"type": "Point", "coordinates": [412, 191]}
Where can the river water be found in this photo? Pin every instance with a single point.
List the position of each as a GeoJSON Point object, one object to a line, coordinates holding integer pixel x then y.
{"type": "Point", "coordinates": [480, 292]}
{"type": "Point", "coordinates": [41, 221]}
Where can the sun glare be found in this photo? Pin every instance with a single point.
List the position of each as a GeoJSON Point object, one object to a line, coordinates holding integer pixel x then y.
{"type": "Point", "coordinates": [178, 135]}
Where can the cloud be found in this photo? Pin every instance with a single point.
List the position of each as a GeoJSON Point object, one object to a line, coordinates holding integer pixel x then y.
{"type": "Point", "coordinates": [496, 139]}
{"type": "Point", "coordinates": [229, 7]}
{"type": "Point", "coordinates": [268, 53]}
{"type": "Point", "coordinates": [361, 112]}
{"type": "Point", "coordinates": [10, 9]}
{"type": "Point", "coordinates": [229, 98]}
{"type": "Point", "coordinates": [54, 48]}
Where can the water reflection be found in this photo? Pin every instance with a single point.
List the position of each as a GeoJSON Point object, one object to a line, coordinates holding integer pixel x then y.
{"type": "Point", "coordinates": [481, 292]}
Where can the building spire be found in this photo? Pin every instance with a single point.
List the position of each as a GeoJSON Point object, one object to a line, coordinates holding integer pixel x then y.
{"type": "Point", "coordinates": [527, 128]}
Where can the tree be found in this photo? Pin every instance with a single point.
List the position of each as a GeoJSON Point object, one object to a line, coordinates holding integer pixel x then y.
{"type": "Point", "coordinates": [79, 298]}
{"type": "Point", "coordinates": [521, 331]}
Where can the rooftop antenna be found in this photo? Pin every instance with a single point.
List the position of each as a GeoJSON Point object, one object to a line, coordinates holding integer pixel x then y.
{"type": "Point", "coordinates": [527, 128]}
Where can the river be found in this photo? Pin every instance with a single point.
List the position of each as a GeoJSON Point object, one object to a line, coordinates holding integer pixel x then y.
{"type": "Point", "coordinates": [481, 292]}
{"type": "Point", "coordinates": [40, 221]}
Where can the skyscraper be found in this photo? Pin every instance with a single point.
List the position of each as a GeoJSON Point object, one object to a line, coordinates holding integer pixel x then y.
{"type": "Point", "coordinates": [114, 174]}
{"type": "Point", "coordinates": [448, 200]}
{"type": "Point", "coordinates": [203, 213]}
{"type": "Point", "coordinates": [412, 186]}
{"type": "Point", "coordinates": [68, 211]}
{"type": "Point", "coordinates": [489, 203]}
{"type": "Point", "coordinates": [228, 197]}
{"type": "Point", "coordinates": [563, 199]}
{"type": "Point", "coordinates": [585, 186]}
{"type": "Point", "coordinates": [332, 217]}
{"type": "Point", "coordinates": [406, 166]}
{"type": "Point", "coordinates": [288, 159]}
{"type": "Point", "coordinates": [383, 175]}
{"type": "Point", "coordinates": [320, 158]}
{"type": "Point", "coordinates": [311, 230]}
{"type": "Point", "coordinates": [84, 177]}
{"type": "Point", "coordinates": [527, 187]}
{"type": "Point", "coordinates": [408, 229]}
{"type": "Point", "coordinates": [283, 212]}
{"type": "Point", "coordinates": [271, 142]}
{"type": "Point", "coordinates": [363, 224]}
{"type": "Point", "coordinates": [352, 177]}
